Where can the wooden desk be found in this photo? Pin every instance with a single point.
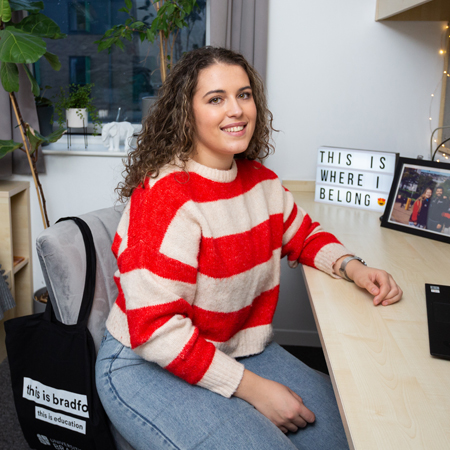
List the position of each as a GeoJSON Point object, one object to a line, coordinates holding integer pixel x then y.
{"type": "Point", "coordinates": [392, 393]}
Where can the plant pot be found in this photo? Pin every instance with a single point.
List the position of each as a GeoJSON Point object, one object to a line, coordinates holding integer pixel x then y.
{"type": "Point", "coordinates": [147, 103]}
{"type": "Point", "coordinates": [77, 117]}
{"type": "Point", "coordinates": [38, 303]}
{"type": "Point", "coordinates": [45, 117]}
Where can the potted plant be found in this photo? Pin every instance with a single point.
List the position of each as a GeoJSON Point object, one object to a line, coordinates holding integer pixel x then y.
{"type": "Point", "coordinates": [21, 44]}
{"type": "Point", "coordinates": [171, 17]}
{"type": "Point", "coordinates": [74, 105]}
{"type": "Point", "coordinates": [45, 110]}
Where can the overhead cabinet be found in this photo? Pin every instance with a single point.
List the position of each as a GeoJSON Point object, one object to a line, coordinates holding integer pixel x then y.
{"type": "Point", "coordinates": [425, 10]}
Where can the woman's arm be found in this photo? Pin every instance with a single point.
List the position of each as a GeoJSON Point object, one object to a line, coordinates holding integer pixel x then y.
{"type": "Point", "coordinates": [377, 282]}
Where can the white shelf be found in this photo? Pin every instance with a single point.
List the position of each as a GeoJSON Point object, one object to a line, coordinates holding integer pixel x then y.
{"type": "Point", "coordinates": [83, 152]}
{"type": "Point", "coordinates": [415, 10]}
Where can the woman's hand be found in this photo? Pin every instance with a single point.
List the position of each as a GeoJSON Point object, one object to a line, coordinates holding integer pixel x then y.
{"type": "Point", "coordinates": [377, 282]}
{"type": "Point", "coordinates": [277, 402]}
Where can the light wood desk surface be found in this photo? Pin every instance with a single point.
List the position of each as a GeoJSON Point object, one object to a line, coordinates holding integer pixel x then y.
{"type": "Point", "coordinates": [392, 393]}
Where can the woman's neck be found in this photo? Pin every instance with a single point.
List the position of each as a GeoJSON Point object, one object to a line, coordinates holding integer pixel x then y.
{"type": "Point", "coordinates": [214, 161]}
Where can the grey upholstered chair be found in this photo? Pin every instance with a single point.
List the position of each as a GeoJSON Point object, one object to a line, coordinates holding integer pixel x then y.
{"type": "Point", "coordinates": [62, 256]}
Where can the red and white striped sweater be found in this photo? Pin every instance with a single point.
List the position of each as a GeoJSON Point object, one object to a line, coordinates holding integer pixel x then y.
{"type": "Point", "coordinates": [199, 267]}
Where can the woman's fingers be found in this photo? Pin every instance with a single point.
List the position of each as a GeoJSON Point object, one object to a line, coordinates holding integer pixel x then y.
{"type": "Point", "coordinates": [394, 295]}
{"type": "Point", "coordinates": [306, 415]}
{"type": "Point", "coordinates": [379, 283]}
{"type": "Point", "coordinates": [389, 293]}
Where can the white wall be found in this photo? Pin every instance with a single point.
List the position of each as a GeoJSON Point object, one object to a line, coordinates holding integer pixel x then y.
{"type": "Point", "coordinates": [73, 185]}
{"type": "Point", "coordinates": [336, 77]}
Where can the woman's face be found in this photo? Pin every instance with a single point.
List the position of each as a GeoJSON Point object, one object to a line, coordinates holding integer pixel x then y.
{"type": "Point", "coordinates": [225, 115]}
{"type": "Point", "coordinates": [428, 193]}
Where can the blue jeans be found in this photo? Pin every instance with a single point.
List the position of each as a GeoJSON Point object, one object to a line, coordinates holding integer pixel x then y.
{"type": "Point", "coordinates": [154, 409]}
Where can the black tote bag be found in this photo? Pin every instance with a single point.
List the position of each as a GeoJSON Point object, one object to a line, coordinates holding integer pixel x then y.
{"type": "Point", "coordinates": [53, 374]}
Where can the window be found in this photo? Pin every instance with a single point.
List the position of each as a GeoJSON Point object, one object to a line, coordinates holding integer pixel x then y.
{"type": "Point", "coordinates": [79, 69]}
{"type": "Point", "coordinates": [121, 78]}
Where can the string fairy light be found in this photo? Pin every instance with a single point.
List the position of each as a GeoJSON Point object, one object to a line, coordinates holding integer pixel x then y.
{"type": "Point", "coordinates": [440, 148]}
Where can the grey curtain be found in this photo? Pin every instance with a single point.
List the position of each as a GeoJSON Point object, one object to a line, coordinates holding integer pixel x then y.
{"type": "Point", "coordinates": [242, 26]}
{"type": "Point", "coordinates": [17, 161]}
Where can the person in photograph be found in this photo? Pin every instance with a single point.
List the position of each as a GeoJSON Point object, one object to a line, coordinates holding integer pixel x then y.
{"type": "Point", "coordinates": [446, 219]}
{"type": "Point", "coordinates": [438, 205]}
{"type": "Point", "coordinates": [417, 207]}
{"type": "Point", "coordinates": [422, 216]}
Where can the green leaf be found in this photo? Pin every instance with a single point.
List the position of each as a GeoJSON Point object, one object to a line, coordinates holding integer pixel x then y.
{"type": "Point", "coordinates": [155, 25]}
{"type": "Point", "coordinates": [36, 139]}
{"type": "Point", "coordinates": [34, 84]}
{"type": "Point", "coordinates": [55, 136]}
{"type": "Point", "coordinates": [9, 74]}
{"type": "Point", "coordinates": [40, 25]}
{"type": "Point", "coordinates": [125, 10]}
{"type": "Point", "coordinates": [26, 5]}
{"type": "Point", "coordinates": [137, 24]}
{"type": "Point", "coordinates": [17, 46]}
{"type": "Point", "coordinates": [170, 9]}
{"type": "Point", "coordinates": [129, 4]}
{"type": "Point", "coordinates": [53, 60]}
{"type": "Point", "coordinates": [5, 11]}
{"type": "Point", "coordinates": [8, 146]}
{"type": "Point", "coordinates": [119, 44]}
{"type": "Point", "coordinates": [150, 35]}
{"type": "Point", "coordinates": [102, 45]}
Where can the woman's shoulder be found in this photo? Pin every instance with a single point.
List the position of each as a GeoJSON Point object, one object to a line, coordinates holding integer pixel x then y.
{"type": "Point", "coordinates": [166, 186]}
{"type": "Point", "coordinates": [255, 169]}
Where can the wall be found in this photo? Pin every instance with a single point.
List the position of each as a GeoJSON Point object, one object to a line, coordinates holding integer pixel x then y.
{"type": "Point", "coordinates": [73, 185]}
{"type": "Point", "coordinates": [336, 77]}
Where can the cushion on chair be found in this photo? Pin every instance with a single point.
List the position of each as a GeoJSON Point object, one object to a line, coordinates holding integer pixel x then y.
{"type": "Point", "coordinates": [62, 256]}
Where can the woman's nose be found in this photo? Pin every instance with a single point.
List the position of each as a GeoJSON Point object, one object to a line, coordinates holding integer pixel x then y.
{"type": "Point", "coordinates": [234, 109]}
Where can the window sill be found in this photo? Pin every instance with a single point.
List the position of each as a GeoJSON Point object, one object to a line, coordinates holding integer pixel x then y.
{"type": "Point", "coordinates": [94, 147]}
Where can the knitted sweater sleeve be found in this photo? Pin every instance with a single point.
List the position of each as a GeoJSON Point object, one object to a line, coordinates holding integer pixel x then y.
{"type": "Point", "coordinates": [305, 242]}
{"type": "Point", "coordinates": [157, 275]}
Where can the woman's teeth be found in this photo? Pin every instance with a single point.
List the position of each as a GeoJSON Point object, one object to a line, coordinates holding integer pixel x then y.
{"type": "Point", "coordinates": [229, 130]}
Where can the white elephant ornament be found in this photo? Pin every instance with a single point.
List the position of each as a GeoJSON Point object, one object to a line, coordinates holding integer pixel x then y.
{"type": "Point", "coordinates": [115, 132]}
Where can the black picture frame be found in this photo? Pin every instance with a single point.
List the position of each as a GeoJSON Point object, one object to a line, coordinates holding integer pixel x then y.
{"type": "Point", "coordinates": [413, 179]}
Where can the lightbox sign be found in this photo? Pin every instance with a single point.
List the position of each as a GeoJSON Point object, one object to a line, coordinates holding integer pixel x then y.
{"type": "Point", "coordinates": [356, 178]}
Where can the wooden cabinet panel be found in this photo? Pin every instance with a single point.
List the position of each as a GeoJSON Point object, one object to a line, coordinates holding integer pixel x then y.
{"type": "Point", "coordinates": [15, 248]}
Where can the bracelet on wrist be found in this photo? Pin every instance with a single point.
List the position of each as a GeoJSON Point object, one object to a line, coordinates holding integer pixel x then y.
{"type": "Point", "coordinates": [342, 271]}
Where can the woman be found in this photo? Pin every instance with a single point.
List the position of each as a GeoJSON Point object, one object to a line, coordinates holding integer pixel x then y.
{"type": "Point", "coordinates": [417, 206]}
{"type": "Point", "coordinates": [188, 361]}
{"type": "Point", "coordinates": [422, 215]}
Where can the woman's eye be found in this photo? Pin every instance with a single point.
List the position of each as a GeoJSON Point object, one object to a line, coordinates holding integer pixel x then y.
{"type": "Point", "coordinates": [215, 100]}
{"type": "Point", "coordinates": [245, 95]}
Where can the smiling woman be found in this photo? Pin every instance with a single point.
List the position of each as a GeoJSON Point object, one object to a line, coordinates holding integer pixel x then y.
{"type": "Point", "coordinates": [188, 347]}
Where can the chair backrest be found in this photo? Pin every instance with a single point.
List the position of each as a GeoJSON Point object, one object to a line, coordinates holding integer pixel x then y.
{"type": "Point", "coordinates": [62, 256]}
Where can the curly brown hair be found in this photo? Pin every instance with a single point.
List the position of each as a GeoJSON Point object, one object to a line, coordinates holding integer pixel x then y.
{"type": "Point", "coordinates": [169, 129]}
